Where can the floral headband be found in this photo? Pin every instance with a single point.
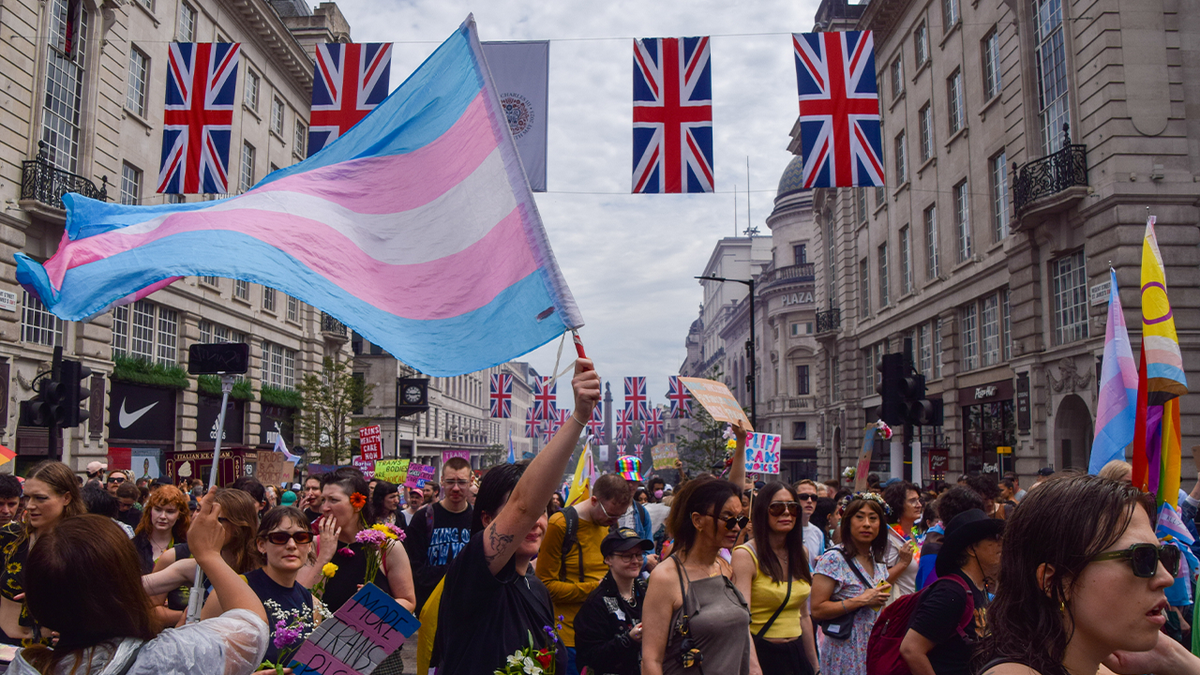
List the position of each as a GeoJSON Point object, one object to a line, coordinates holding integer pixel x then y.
{"type": "Point", "coordinates": [867, 496]}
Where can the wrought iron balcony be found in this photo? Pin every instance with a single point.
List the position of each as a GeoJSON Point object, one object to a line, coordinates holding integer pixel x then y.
{"type": "Point", "coordinates": [332, 327]}
{"type": "Point", "coordinates": [45, 183]}
{"type": "Point", "coordinates": [829, 320]}
{"type": "Point", "coordinates": [1050, 175]}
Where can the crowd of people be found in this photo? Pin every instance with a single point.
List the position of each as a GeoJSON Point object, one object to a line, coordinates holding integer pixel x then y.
{"type": "Point", "coordinates": [508, 573]}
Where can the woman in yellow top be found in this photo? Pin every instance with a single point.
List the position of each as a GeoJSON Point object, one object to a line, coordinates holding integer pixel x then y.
{"type": "Point", "coordinates": [772, 573]}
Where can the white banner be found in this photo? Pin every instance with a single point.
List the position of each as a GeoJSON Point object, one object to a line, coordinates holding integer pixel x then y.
{"type": "Point", "coordinates": [521, 71]}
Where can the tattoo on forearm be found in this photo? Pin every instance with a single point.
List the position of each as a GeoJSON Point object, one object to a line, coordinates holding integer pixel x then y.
{"type": "Point", "coordinates": [497, 542]}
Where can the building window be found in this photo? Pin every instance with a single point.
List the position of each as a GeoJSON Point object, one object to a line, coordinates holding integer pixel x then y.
{"type": "Point", "coordinates": [864, 290]}
{"type": "Point", "coordinates": [148, 4]}
{"type": "Point", "coordinates": [835, 372]}
{"type": "Point", "coordinates": [187, 23]}
{"type": "Point", "coordinates": [141, 336]}
{"type": "Point", "coordinates": [954, 93]}
{"type": "Point", "coordinates": [241, 290]}
{"type": "Point", "coordinates": [962, 221]}
{"type": "Point", "coordinates": [905, 262]}
{"type": "Point", "coordinates": [970, 337]}
{"type": "Point", "coordinates": [146, 331]}
{"type": "Point", "coordinates": [802, 381]}
{"type": "Point", "coordinates": [131, 185]}
{"type": "Point", "coordinates": [1070, 298]}
{"type": "Point", "coordinates": [168, 334]}
{"type": "Point", "coordinates": [799, 431]}
{"type": "Point", "coordinates": [211, 281]}
{"type": "Point", "coordinates": [921, 45]}
{"type": "Point", "coordinates": [277, 116]}
{"type": "Point", "coordinates": [989, 325]}
{"type": "Point", "coordinates": [1050, 58]}
{"type": "Point", "coordinates": [925, 126]}
{"type": "Point", "coordinates": [210, 332]}
{"type": "Point", "coordinates": [901, 159]}
{"type": "Point", "coordinates": [268, 299]}
{"type": "Point", "coordinates": [252, 83]}
{"type": "Point", "coordinates": [999, 196]}
{"type": "Point", "coordinates": [293, 309]}
{"type": "Point", "coordinates": [278, 366]}
{"type": "Point", "coordinates": [61, 113]}
{"type": "Point", "coordinates": [949, 14]}
{"type": "Point", "coordinates": [925, 351]}
{"type": "Point", "coordinates": [800, 253]}
{"type": "Point", "coordinates": [139, 69]}
{"type": "Point", "coordinates": [897, 71]}
{"type": "Point", "coordinates": [931, 243]}
{"type": "Point", "coordinates": [830, 258]}
{"type": "Point", "coordinates": [300, 142]}
{"type": "Point", "coordinates": [38, 325]}
{"type": "Point", "coordinates": [883, 275]}
{"type": "Point", "coordinates": [860, 204]}
{"type": "Point", "coordinates": [880, 196]}
{"type": "Point", "coordinates": [247, 166]}
{"type": "Point", "coordinates": [991, 65]}
{"type": "Point", "coordinates": [1006, 324]}
{"type": "Point", "coordinates": [937, 348]}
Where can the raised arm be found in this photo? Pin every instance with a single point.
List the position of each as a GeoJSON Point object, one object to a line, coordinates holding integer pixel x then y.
{"type": "Point", "coordinates": [528, 500]}
{"type": "Point", "coordinates": [737, 472]}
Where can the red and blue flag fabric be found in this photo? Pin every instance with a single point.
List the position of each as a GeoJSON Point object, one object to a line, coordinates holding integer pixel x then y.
{"type": "Point", "coordinates": [679, 397]}
{"type": "Point", "coordinates": [561, 415]}
{"type": "Point", "coordinates": [533, 425]}
{"type": "Point", "coordinates": [501, 395]}
{"type": "Point", "coordinates": [349, 80]}
{"type": "Point", "coordinates": [545, 398]}
{"type": "Point", "coordinates": [624, 424]}
{"type": "Point", "coordinates": [635, 398]}
{"type": "Point", "coordinates": [595, 425]}
{"type": "Point", "coordinates": [198, 118]}
{"type": "Point", "coordinates": [840, 132]}
{"type": "Point", "coordinates": [672, 115]}
{"type": "Point", "coordinates": [653, 427]}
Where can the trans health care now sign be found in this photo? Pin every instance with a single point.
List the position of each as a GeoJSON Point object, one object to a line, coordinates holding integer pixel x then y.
{"type": "Point", "coordinates": [369, 627]}
{"type": "Point", "coordinates": [762, 453]}
{"type": "Point", "coordinates": [369, 442]}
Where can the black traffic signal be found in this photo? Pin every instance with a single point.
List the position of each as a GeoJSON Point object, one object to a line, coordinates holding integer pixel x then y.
{"type": "Point", "coordinates": [74, 394]}
{"type": "Point", "coordinates": [48, 408]}
{"type": "Point", "coordinates": [918, 410]}
{"type": "Point", "coordinates": [891, 406]}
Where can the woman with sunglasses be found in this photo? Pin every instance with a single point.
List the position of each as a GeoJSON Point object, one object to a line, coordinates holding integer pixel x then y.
{"type": "Point", "coordinates": [1082, 581]}
{"type": "Point", "coordinates": [772, 573]}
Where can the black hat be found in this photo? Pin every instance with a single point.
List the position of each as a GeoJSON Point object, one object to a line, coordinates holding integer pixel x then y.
{"type": "Point", "coordinates": [1046, 471]}
{"type": "Point", "coordinates": [966, 528]}
{"type": "Point", "coordinates": [623, 539]}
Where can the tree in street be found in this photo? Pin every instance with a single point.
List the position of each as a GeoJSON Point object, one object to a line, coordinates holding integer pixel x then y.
{"type": "Point", "coordinates": [333, 404]}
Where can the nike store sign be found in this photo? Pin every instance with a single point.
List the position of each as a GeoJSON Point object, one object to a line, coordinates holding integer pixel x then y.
{"type": "Point", "coordinates": [141, 413]}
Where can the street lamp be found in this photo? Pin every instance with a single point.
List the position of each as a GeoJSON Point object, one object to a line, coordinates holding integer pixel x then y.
{"type": "Point", "coordinates": [751, 379]}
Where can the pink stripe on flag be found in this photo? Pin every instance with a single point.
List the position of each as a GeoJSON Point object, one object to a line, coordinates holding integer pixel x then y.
{"type": "Point", "coordinates": [1113, 390]}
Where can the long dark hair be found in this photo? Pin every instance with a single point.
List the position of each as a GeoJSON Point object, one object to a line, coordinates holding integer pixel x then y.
{"type": "Point", "coordinates": [705, 496]}
{"type": "Point", "coordinates": [64, 598]}
{"type": "Point", "coordinates": [382, 489]}
{"type": "Point", "coordinates": [1064, 523]}
{"type": "Point", "coordinates": [879, 543]}
{"type": "Point", "coordinates": [768, 562]}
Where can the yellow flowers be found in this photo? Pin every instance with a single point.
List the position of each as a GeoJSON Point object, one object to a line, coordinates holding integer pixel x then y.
{"type": "Point", "coordinates": [387, 531]}
{"type": "Point", "coordinates": [329, 570]}
{"type": "Point", "coordinates": [731, 444]}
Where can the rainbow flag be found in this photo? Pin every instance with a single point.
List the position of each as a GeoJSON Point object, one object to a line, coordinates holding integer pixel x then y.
{"type": "Point", "coordinates": [1115, 416]}
{"type": "Point", "coordinates": [416, 228]}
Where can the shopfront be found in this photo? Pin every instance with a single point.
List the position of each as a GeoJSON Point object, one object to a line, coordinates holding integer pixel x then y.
{"type": "Point", "coordinates": [141, 427]}
{"type": "Point", "coordinates": [989, 423]}
{"type": "Point", "coordinates": [208, 411]}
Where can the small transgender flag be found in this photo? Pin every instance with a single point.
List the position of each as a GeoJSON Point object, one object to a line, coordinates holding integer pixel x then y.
{"type": "Point", "coordinates": [1171, 525]}
{"type": "Point", "coordinates": [512, 453]}
{"type": "Point", "coordinates": [1117, 407]}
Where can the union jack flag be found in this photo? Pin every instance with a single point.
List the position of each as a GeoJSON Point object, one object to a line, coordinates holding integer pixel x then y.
{"type": "Point", "coordinates": [639, 449]}
{"type": "Point", "coordinates": [672, 115]}
{"type": "Point", "coordinates": [545, 396]}
{"type": "Point", "coordinates": [635, 398]}
{"type": "Point", "coordinates": [839, 109]}
{"type": "Point", "coordinates": [595, 425]}
{"type": "Point", "coordinates": [501, 395]}
{"type": "Point", "coordinates": [560, 418]}
{"type": "Point", "coordinates": [624, 424]}
{"type": "Point", "coordinates": [338, 104]}
{"type": "Point", "coordinates": [653, 427]}
{"type": "Point", "coordinates": [533, 426]}
{"type": "Point", "coordinates": [679, 397]}
{"type": "Point", "coordinates": [198, 118]}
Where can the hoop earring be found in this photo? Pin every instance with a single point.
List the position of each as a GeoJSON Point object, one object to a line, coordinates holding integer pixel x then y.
{"type": "Point", "coordinates": [1062, 606]}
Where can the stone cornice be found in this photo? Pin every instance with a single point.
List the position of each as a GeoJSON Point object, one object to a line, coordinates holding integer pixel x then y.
{"type": "Point", "coordinates": [277, 39]}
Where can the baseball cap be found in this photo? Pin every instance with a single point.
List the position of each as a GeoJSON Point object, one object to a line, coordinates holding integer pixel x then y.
{"type": "Point", "coordinates": [629, 467]}
{"type": "Point", "coordinates": [288, 498]}
{"type": "Point", "coordinates": [95, 467]}
{"type": "Point", "coordinates": [296, 486]}
{"type": "Point", "coordinates": [623, 539]}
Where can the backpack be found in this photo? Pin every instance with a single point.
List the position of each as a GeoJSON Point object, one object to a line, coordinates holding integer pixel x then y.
{"type": "Point", "coordinates": [883, 648]}
{"type": "Point", "coordinates": [570, 540]}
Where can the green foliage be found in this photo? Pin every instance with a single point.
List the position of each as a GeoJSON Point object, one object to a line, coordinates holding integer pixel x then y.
{"type": "Point", "coordinates": [494, 454]}
{"type": "Point", "coordinates": [328, 422]}
{"type": "Point", "coordinates": [211, 385]}
{"type": "Point", "coordinates": [142, 371]}
{"type": "Point", "coordinates": [286, 398]}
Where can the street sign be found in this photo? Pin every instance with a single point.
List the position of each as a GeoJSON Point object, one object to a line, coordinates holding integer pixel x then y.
{"type": "Point", "coordinates": [1003, 449]}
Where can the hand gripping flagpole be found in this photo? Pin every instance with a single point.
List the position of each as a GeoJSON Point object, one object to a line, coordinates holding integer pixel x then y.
{"type": "Point", "coordinates": [196, 598]}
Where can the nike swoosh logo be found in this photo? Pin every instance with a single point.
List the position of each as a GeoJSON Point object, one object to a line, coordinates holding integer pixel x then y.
{"type": "Point", "coordinates": [125, 419]}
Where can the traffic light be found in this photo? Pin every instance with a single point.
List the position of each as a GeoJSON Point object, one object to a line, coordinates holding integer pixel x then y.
{"type": "Point", "coordinates": [918, 410]}
{"type": "Point", "coordinates": [891, 406]}
{"type": "Point", "coordinates": [75, 395]}
{"type": "Point", "coordinates": [48, 408]}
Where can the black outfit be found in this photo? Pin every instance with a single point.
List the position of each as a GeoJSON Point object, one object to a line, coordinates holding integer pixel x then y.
{"type": "Point", "coordinates": [296, 598]}
{"type": "Point", "coordinates": [787, 657]}
{"type": "Point", "coordinates": [351, 572]}
{"type": "Point", "coordinates": [145, 551]}
{"type": "Point", "coordinates": [312, 516]}
{"type": "Point", "coordinates": [430, 550]}
{"type": "Point", "coordinates": [602, 630]}
{"type": "Point", "coordinates": [132, 517]}
{"type": "Point", "coordinates": [484, 618]}
{"type": "Point", "coordinates": [937, 617]}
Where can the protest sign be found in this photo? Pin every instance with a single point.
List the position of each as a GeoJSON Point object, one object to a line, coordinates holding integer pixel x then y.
{"type": "Point", "coordinates": [864, 459]}
{"type": "Point", "coordinates": [361, 634]}
{"type": "Point", "coordinates": [418, 475]}
{"type": "Point", "coordinates": [366, 466]}
{"type": "Point", "coordinates": [314, 469]}
{"type": "Point", "coordinates": [391, 470]}
{"type": "Point", "coordinates": [664, 455]}
{"type": "Point", "coordinates": [273, 468]}
{"type": "Point", "coordinates": [717, 400]}
{"type": "Point", "coordinates": [447, 454]}
{"type": "Point", "coordinates": [370, 442]}
{"type": "Point", "coordinates": [762, 453]}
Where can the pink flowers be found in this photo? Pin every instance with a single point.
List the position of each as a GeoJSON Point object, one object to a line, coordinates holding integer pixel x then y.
{"type": "Point", "coordinates": [373, 537]}
{"type": "Point", "coordinates": [346, 551]}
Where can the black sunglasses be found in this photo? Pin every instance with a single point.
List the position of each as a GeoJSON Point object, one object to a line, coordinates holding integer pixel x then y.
{"type": "Point", "coordinates": [777, 508]}
{"type": "Point", "coordinates": [118, 479]}
{"type": "Point", "coordinates": [281, 538]}
{"type": "Point", "coordinates": [807, 497]}
{"type": "Point", "coordinates": [1144, 559]}
{"type": "Point", "coordinates": [734, 521]}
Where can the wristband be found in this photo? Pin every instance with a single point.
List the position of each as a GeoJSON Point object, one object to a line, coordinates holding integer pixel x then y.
{"type": "Point", "coordinates": [582, 424]}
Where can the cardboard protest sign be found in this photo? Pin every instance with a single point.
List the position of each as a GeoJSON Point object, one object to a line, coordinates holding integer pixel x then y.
{"type": "Point", "coordinates": [273, 468]}
{"type": "Point", "coordinates": [864, 459]}
{"type": "Point", "coordinates": [763, 452]}
{"type": "Point", "coordinates": [664, 455]}
{"type": "Point", "coordinates": [418, 475]}
{"type": "Point", "coordinates": [392, 470]}
{"type": "Point", "coordinates": [717, 400]}
{"type": "Point", "coordinates": [370, 442]}
{"type": "Point", "coordinates": [369, 627]}
{"type": "Point", "coordinates": [366, 466]}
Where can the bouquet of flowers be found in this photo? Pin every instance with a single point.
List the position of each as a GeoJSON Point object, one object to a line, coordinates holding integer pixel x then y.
{"type": "Point", "coordinates": [885, 432]}
{"type": "Point", "coordinates": [531, 660]}
{"type": "Point", "coordinates": [848, 473]}
{"type": "Point", "coordinates": [377, 540]}
{"type": "Point", "coordinates": [292, 627]}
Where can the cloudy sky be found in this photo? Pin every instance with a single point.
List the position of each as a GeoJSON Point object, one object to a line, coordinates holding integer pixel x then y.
{"type": "Point", "coordinates": [629, 259]}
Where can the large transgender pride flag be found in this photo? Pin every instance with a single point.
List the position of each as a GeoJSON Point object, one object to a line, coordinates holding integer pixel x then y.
{"type": "Point", "coordinates": [1117, 407]}
{"type": "Point", "coordinates": [416, 228]}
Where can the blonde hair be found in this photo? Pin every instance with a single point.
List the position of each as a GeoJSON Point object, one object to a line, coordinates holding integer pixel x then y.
{"type": "Point", "coordinates": [1117, 470]}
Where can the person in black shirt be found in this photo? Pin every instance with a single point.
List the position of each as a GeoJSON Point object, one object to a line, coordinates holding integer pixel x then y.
{"type": "Point", "coordinates": [938, 642]}
{"type": "Point", "coordinates": [608, 627]}
{"type": "Point", "coordinates": [439, 531]}
{"type": "Point", "coordinates": [492, 603]}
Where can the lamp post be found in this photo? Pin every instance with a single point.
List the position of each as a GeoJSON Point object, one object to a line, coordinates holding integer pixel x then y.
{"type": "Point", "coordinates": [752, 378]}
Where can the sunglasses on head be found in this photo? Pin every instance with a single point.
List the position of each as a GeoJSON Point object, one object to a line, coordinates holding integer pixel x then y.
{"type": "Point", "coordinates": [281, 538]}
{"type": "Point", "coordinates": [1144, 559]}
{"type": "Point", "coordinates": [777, 508]}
